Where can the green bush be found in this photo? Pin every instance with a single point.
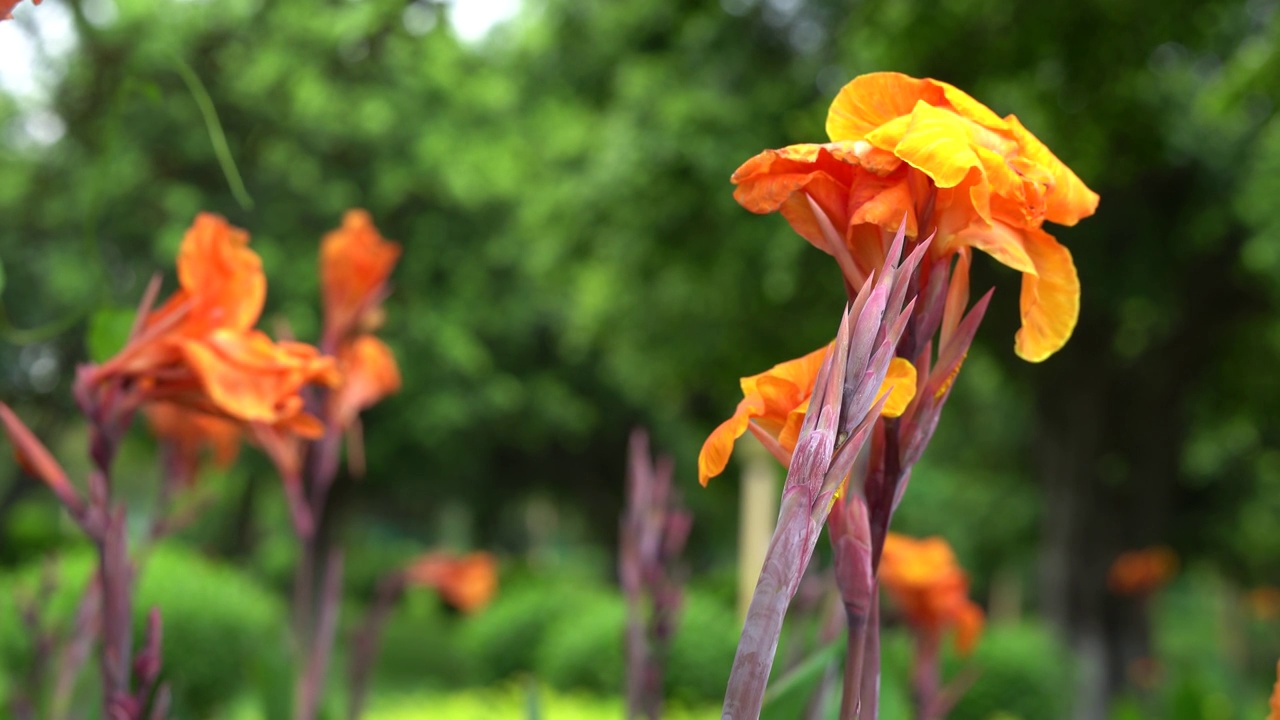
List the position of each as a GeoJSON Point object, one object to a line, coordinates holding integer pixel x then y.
{"type": "Point", "coordinates": [420, 647]}
{"type": "Point", "coordinates": [702, 650]}
{"type": "Point", "coordinates": [504, 639]}
{"type": "Point", "coordinates": [222, 632]}
{"type": "Point", "coordinates": [584, 651]}
{"type": "Point", "coordinates": [514, 701]}
{"type": "Point", "coordinates": [1024, 673]}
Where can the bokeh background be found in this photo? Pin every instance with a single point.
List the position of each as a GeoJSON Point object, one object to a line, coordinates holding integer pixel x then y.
{"type": "Point", "coordinates": [575, 266]}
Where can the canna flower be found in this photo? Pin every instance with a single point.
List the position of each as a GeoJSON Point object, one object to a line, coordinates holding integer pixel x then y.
{"type": "Point", "coordinates": [468, 583]}
{"type": "Point", "coordinates": [1141, 572]}
{"type": "Point", "coordinates": [926, 151]}
{"type": "Point", "coordinates": [369, 373]}
{"type": "Point", "coordinates": [190, 434]}
{"type": "Point", "coordinates": [199, 350]}
{"type": "Point", "coordinates": [355, 263]}
{"type": "Point", "coordinates": [930, 589]}
{"type": "Point", "coordinates": [774, 404]}
{"type": "Point", "coordinates": [1275, 697]}
{"type": "Point", "coordinates": [7, 6]}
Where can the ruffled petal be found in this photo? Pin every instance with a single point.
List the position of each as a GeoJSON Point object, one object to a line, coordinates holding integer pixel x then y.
{"type": "Point", "coordinates": [871, 100]}
{"type": "Point", "coordinates": [1067, 198]}
{"type": "Point", "coordinates": [1050, 298]}
{"type": "Point", "coordinates": [778, 180]}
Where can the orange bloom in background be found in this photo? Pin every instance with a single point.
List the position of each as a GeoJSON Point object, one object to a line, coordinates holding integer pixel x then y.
{"type": "Point", "coordinates": [1275, 697]}
{"type": "Point", "coordinates": [7, 6]}
{"type": "Point", "coordinates": [199, 350]}
{"type": "Point", "coordinates": [355, 264]}
{"type": "Point", "coordinates": [1264, 602]}
{"type": "Point", "coordinates": [468, 583]}
{"type": "Point", "coordinates": [775, 402]}
{"type": "Point", "coordinates": [926, 151]}
{"type": "Point", "coordinates": [930, 589]}
{"type": "Point", "coordinates": [190, 434]}
{"type": "Point", "coordinates": [1141, 572]}
{"type": "Point", "coordinates": [369, 374]}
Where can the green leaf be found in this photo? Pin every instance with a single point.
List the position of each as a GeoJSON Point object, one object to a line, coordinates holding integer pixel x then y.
{"type": "Point", "coordinates": [108, 329]}
{"type": "Point", "coordinates": [790, 694]}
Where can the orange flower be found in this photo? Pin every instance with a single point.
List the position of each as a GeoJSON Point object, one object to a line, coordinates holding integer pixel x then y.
{"type": "Point", "coordinates": [1140, 572]}
{"type": "Point", "coordinates": [775, 402]}
{"type": "Point", "coordinates": [1264, 602]}
{"type": "Point", "coordinates": [198, 349]}
{"type": "Point", "coordinates": [1275, 697]}
{"type": "Point", "coordinates": [190, 433]}
{"type": "Point", "coordinates": [929, 587]}
{"type": "Point", "coordinates": [7, 6]}
{"type": "Point", "coordinates": [467, 583]}
{"type": "Point", "coordinates": [355, 263]}
{"type": "Point", "coordinates": [925, 151]}
{"type": "Point", "coordinates": [369, 373]}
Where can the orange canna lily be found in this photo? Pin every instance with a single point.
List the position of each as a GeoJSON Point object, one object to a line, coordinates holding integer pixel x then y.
{"type": "Point", "coordinates": [775, 401]}
{"type": "Point", "coordinates": [369, 374]}
{"type": "Point", "coordinates": [467, 583]}
{"type": "Point", "coordinates": [926, 151]}
{"type": "Point", "coordinates": [190, 433]}
{"type": "Point", "coordinates": [1141, 572]}
{"type": "Point", "coordinates": [1264, 602]}
{"type": "Point", "coordinates": [199, 349]}
{"type": "Point", "coordinates": [929, 587]}
{"type": "Point", "coordinates": [355, 263]}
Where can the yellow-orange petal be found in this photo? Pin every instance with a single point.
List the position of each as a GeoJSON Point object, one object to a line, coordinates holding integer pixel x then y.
{"type": "Point", "coordinates": [778, 181]}
{"type": "Point", "coordinates": [869, 101]}
{"type": "Point", "coordinates": [1275, 697]}
{"type": "Point", "coordinates": [1067, 199]}
{"type": "Point", "coordinates": [900, 383]}
{"type": "Point", "coordinates": [1050, 298]}
{"type": "Point", "coordinates": [718, 446]}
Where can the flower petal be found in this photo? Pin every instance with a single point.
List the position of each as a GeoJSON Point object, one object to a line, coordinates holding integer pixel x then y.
{"type": "Point", "coordinates": [871, 100]}
{"type": "Point", "coordinates": [715, 452]}
{"type": "Point", "coordinates": [900, 383]}
{"type": "Point", "coordinates": [1050, 298]}
{"type": "Point", "coordinates": [1067, 199]}
{"type": "Point", "coordinates": [777, 180]}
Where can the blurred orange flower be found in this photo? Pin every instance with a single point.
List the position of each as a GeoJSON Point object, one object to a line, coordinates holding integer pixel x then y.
{"type": "Point", "coordinates": [1140, 572]}
{"type": "Point", "coordinates": [1275, 697]}
{"type": "Point", "coordinates": [929, 587]}
{"type": "Point", "coordinates": [190, 433]}
{"type": "Point", "coordinates": [199, 350]}
{"type": "Point", "coordinates": [369, 374]}
{"type": "Point", "coordinates": [7, 6]}
{"type": "Point", "coordinates": [468, 582]}
{"type": "Point", "coordinates": [775, 401]}
{"type": "Point", "coordinates": [1264, 602]}
{"type": "Point", "coordinates": [925, 151]}
{"type": "Point", "coordinates": [355, 263]}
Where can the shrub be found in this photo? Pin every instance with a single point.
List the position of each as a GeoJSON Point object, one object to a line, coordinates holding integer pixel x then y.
{"type": "Point", "coordinates": [702, 650]}
{"type": "Point", "coordinates": [419, 645]}
{"type": "Point", "coordinates": [584, 651]}
{"type": "Point", "coordinates": [1025, 673]}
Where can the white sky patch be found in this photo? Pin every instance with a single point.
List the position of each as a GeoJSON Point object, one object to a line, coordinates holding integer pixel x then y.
{"type": "Point", "coordinates": [473, 19]}
{"type": "Point", "coordinates": [33, 49]}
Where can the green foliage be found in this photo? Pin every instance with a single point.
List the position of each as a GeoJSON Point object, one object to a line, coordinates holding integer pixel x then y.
{"type": "Point", "coordinates": [420, 646]}
{"type": "Point", "coordinates": [703, 648]}
{"type": "Point", "coordinates": [223, 634]}
{"type": "Point", "coordinates": [1024, 673]}
{"type": "Point", "coordinates": [504, 639]}
{"type": "Point", "coordinates": [514, 702]}
{"type": "Point", "coordinates": [584, 650]}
